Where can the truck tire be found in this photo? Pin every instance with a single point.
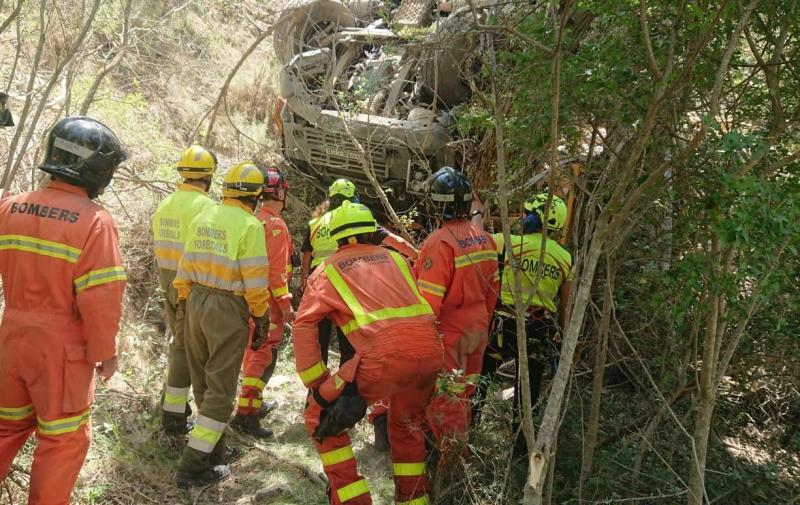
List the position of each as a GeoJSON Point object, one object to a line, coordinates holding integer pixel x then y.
{"type": "Point", "coordinates": [308, 25]}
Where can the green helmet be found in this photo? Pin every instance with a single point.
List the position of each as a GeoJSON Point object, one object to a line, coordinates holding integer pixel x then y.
{"type": "Point", "coordinates": [343, 187]}
{"type": "Point", "coordinates": [557, 216]}
{"type": "Point", "coordinates": [351, 219]}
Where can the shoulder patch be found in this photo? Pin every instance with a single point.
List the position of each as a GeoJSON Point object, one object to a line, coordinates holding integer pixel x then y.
{"type": "Point", "coordinates": [427, 264]}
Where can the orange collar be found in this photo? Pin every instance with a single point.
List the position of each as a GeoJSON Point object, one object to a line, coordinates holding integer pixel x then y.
{"type": "Point", "coordinates": [268, 212]}
{"type": "Point", "coordinates": [69, 188]}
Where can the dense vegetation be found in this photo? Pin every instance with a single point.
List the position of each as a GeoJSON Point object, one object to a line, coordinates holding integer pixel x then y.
{"type": "Point", "coordinates": [679, 374]}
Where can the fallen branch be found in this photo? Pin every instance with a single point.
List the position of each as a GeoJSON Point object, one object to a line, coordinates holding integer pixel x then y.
{"type": "Point", "coordinates": [311, 475]}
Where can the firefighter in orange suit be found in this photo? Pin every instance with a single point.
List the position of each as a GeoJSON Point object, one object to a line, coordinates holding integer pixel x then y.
{"type": "Point", "coordinates": [457, 274]}
{"type": "Point", "coordinates": [170, 224]}
{"type": "Point", "coordinates": [63, 282]}
{"type": "Point", "coordinates": [259, 365]}
{"type": "Point", "coordinates": [222, 283]}
{"type": "Point", "coordinates": [368, 292]}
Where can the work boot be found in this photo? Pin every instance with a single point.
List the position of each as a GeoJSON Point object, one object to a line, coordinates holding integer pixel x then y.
{"type": "Point", "coordinates": [177, 424]}
{"type": "Point", "coordinates": [211, 475]}
{"type": "Point", "coordinates": [380, 423]}
{"type": "Point", "coordinates": [224, 454]}
{"type": "Point", "coordinates": [250, 425]}
{"type": "Point", "coordinates": [266, 408]}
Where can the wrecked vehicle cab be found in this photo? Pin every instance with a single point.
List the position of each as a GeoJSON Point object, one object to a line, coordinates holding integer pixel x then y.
{"type": "Point", "coordinates": [374, 76]}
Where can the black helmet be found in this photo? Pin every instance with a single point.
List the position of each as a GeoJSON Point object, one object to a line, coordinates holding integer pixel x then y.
{"type": "Point", "coordinates": [450, 194]}
{"type": "Point", "coordinates": [83, 152]}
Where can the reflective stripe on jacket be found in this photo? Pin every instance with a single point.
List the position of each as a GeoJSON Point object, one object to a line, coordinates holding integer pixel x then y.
{"type": "Point", "coordinates": [367, 291]}
{"type": "Point", "coordinates": [457, 274]}
{"type": "Point", "coordinates": [171, 221]}
{"type": "Point", "coordinates": [59, 255]}
{"type": "Point", "coordinates": [527, 249]}
{"type": "Point", "coordinates": [225, 249]}
{"type": "Point", "coordinates": [321, 242]}
{"type": "Point", "coordinates": [279, 252]}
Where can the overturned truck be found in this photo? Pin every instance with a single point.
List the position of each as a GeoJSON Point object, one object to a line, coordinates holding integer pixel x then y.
{"type": "Point", "coordinates": [376, 73]}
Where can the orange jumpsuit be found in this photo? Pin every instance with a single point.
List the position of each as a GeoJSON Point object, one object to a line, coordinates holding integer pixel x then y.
{"type": "Point", "coordinates": [258, 365]}
{"type": "Point", "coordinates": [63, 282]}
{"type": "Point", "coordinates": [457, 274]}
{"type": "Point", "coordinates": [370, 294]}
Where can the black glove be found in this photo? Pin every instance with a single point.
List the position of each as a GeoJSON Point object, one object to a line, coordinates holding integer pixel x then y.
{"type": "Point", "coordinates": [343, 414]}
{"type": "Point", "coordinates": [260, 332]}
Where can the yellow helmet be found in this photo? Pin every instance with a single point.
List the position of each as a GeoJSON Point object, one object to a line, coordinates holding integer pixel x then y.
{"type": "Point", "coordinates": [351, 219]}
{"type": "Point", "coordinates": [558, 210]}
{"type": "Point", "coordinates": [197, 163]}
{"type": "Point", "coordinates": [244, 179]}
{"type": "Point", "coordinates": [342, 187]}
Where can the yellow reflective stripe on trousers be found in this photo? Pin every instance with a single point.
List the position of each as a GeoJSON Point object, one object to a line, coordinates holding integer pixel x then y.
{"type": "Point", "coordinates": [175, 400]}
{"type": "Point", "coordinates": [16, 413]}
{"type": "Point", "coordinates": [363, 318]}
{"type": "Point", "coordinates": [432, 288]}
{"type": "Point", "coordinates": [409, 469]}
{"type": "Point", "coordinates": [352, 490]}
{"type": "Point", "coordinates": [255, 382]}
{"type": "Point", "coordinates": [420, 500]}
{"type": "Point", "coordinates": [337, 455]}
{"type": "Point", "coordinates": [312, 373]}
{"type": "Point", "coordinates": [474, 257]}
{"type": "Point", "coordinates": [205, 434]}
{"type": "Point", "coordinates": [64, 425]}
{"type": "Point", "coordinates": [98, 277]}
{"type": "Point", "coordinates": [39, 246]}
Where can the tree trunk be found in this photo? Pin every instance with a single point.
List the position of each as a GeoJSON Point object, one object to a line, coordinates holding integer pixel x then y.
{"type": "Point", "coordinates": [597, 379]}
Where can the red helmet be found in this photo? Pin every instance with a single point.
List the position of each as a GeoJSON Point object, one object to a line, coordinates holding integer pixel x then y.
{"type": "Point", "coordinates": [275, 184]}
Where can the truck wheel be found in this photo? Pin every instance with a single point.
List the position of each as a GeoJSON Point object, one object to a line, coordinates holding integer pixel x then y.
{"type": "Point", "coordinates": [308, 25]}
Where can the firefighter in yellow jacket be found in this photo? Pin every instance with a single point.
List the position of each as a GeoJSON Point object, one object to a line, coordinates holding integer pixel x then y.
{"type": "Point", "coordinates": [222, 283]}
{"type": "Point", "coordinates": [170, 224]}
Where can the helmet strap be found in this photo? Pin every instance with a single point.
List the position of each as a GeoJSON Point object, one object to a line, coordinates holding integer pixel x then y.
{"type": "Point", "coordinates": [250, 201]}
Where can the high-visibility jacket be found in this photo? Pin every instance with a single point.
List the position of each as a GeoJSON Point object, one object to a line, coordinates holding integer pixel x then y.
{"type": "Point", "coordinates": [365, 290]}
{"type": "Point", "coordinates": [279, 252]}
{"type": "Point", "coordinates": [457, 274]}
{"type": "Point", "coordinates": [171, 221]}
{"type": "Point", "coordinates": [320, 235]}
{"type": "Point", "coordinates": [225, 249]}
{"type": "Point", "coordinates": [527, 249]}
{"type": "Point", "coordinates": [59, 255]}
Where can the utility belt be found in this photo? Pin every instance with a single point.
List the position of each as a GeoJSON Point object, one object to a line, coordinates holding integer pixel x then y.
{"type": "Point", "coordinates": [533, 313]}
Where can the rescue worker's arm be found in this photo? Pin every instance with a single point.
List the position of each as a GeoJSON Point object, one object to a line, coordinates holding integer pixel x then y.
{"type": "Point", "coordinates": [305, 267]}
{"type": "Point", "coordinates": [182, 282]}
{"type": "Point", "coordinates": [401, 245]}
{"type": "Point", "coordinates": [434, 272]}
{"type": "Point", "coordinates": [254, 268]}
{"type": "Point", "coordinates": [278, 255]}
{"type": "Point", "coordinates": [314, 307]}
{"type": "Point", "coordinates": [99, 284]}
